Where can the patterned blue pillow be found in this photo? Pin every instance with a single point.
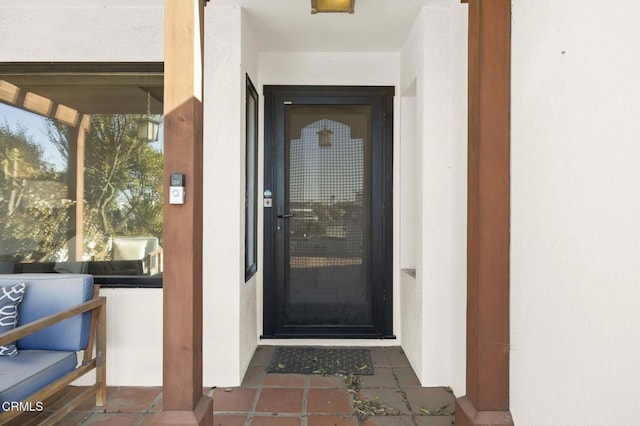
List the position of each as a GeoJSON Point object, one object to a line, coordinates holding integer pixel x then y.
{"type": "Point", "coordinates": [10, 298]}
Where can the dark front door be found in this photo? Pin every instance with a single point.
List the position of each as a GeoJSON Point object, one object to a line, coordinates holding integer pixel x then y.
{"type": "Point", "coordinates": [328, 224]}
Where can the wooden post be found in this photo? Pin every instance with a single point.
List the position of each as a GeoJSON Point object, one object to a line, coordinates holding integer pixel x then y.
{"type": "Point", "coordinates": [183, 400]}
{"type": "Point", "coordinates": [487, 399]}
{"type": "Point", "coordinates": [76, 184]}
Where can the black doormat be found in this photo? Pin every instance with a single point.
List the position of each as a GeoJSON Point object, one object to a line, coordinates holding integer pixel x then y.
{"type": "Point", "coordinates": [313, 360]}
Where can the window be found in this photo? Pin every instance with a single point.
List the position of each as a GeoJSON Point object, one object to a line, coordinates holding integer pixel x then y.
{"type": "Point", "coordinates": [81, 180]}
{"type": "Point", "coordinates": [251, 184]}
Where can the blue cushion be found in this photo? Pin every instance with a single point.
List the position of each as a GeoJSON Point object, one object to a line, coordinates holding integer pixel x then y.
{"type": "Point", "coordinates": [30, 371]}
{"type": "Point", "coordinates": [47, 294]}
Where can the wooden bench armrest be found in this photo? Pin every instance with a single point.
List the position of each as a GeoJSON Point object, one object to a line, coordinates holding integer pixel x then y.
{"type": "Point", "coordinates": [44, 322]}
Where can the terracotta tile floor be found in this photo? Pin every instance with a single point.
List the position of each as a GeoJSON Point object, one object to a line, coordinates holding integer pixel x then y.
{"type": "Point", "coordinates": [286, 399]}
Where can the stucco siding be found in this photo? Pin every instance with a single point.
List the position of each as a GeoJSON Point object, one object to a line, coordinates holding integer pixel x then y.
{"type": "Point", "coordinates": [223, 237]}
{"type": "Point", "coordinates": [575, 206]}
{"type": "Point", "coordinates": [82, 31]}
{"type": "Point", "coordinates": [433, 148]}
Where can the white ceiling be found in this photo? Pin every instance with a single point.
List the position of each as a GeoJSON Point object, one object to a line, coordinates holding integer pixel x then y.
{"type": "Point", "coordinates": [288, 25]}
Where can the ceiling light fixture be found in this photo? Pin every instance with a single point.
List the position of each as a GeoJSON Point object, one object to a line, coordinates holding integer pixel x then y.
{"type": "Point", "coordinates": [329, 6]}
{"type": "Point", "coordinates": [148, 126]}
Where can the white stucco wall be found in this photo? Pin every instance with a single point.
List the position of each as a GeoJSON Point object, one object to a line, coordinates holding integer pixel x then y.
{"type": "Point", "coordinates": [411, 135]}
{"type": "Point", "coordinates": [249, 320]}
{"type": "Point", "coordinates": [134, 337]}
{"type": "Point", "coordinates": [575, 212]}
{"type": "Point", "coordinates": [81, 30]}
{"type": "Point", "coordinates": [433, 309]}
{"type": "Point", "coordinates": [410, 291]}
{"type": "Point", "coordinates": [223, 246]}
{"type": "Point", "coordinates": [458, 33]}
{"type": "Point", "coordinates": [329, 68]}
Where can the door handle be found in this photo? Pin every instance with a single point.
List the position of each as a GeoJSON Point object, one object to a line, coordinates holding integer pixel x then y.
{"type": "Point", "coordinates": [285, 215]}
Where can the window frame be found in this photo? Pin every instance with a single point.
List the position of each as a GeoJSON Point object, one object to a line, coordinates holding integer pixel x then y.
{"type": "Point", "coordinates": [64, 73]}
{"type": "Point", "coordinates": [251, 181]}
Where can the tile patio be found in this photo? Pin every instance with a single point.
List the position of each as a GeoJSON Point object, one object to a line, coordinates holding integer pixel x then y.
{"type": "Point", "coordinates": [266, 399]}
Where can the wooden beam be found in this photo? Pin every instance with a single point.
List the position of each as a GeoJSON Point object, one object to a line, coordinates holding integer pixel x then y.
{"type": "Point", "coordinates": [88, 79]}
{"type": "Point", "coordinates": [75, 183]}
{"type": "Point", "coordinates": [89, 69]}
{"type": "Point", "coordinates": [41, 105]}
{"type": "Point", "coordinates": [487, 399]}
{"type": "Point", "coordinates": [183, 400]}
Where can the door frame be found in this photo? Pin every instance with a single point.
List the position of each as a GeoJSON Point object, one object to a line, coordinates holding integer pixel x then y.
{"type": "Point", "coordinates": [273, 295]}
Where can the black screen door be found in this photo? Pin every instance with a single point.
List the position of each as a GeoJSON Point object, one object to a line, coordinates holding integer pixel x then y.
{"type": "Point", "coordinates": [328, 230]}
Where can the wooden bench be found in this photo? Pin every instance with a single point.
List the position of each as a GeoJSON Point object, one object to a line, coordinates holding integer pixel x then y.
{"type": "Point", "coordinates": [60, 316]}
